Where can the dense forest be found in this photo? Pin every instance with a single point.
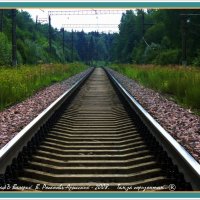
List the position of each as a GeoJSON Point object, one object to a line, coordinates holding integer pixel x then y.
{"type": "Point", "coordinates": [163, 37]}
{"type": "Point", "coordinates": [152, 37]}
{"type": "Point", "coordinates": [33, 42]}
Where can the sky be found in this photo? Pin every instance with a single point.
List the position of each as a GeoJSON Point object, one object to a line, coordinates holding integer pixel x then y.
{"type": "Point", "coordinates": [96, 20]}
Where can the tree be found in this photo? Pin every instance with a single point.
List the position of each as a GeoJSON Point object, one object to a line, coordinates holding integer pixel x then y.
{"type": "Point", "coordinates": [91, 49]}
{"type": "Point", "coordinates": [5, 50]}
{"type": "Point", "coordinates": [127, 36]}
{"type": "Point", "coordinates": [82, 46]}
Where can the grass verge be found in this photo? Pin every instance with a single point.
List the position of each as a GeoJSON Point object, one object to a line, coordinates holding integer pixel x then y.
{"type": "Point", "coordinates": [16, 84]}
{"type": "Point", "coordinates": [183, 84]}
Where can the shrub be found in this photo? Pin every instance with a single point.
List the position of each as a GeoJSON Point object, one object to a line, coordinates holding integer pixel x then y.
{"type": "Point", "coordinates": [196, 61]}
{"type": "Point", "coordinates": [170, 56]}
{"type": "Point", "coordinates": [33, 52]}
{"type": "Point", "coordinates": [5, 50]}
{"type": "Point", "coordinates": [151, 52]}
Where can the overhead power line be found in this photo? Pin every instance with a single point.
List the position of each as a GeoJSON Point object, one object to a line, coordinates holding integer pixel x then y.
{"type": "Point", "coordinates": [86, 12]}
{"type": "Point", "coordinates": [42, 20]}
{"type": "Point", "coordinates": [190, 14]}
{"type": "Point", "coordinates": [90, 25]}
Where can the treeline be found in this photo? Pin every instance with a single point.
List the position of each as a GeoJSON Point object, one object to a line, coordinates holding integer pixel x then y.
{"type": "Point", "coordinates": [163, 37]}
{"type": "Point", "coordinates": [33, 42]}
{"type": "Point", "coordinates": [152, 37]}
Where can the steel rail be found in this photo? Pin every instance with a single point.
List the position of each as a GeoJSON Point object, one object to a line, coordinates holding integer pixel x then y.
{"type": "Point", "coordinates": [185, 162]}
{"type": "Point", "coordinates": [14, 146]}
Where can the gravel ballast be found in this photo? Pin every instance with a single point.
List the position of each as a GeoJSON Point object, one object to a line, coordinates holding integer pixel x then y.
{"type": "Point", "coordinates": [15, 118]}
{"type": "Point", "coordinates": [182, 124]}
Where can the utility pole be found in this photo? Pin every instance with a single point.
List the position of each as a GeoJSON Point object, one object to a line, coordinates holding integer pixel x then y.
{"type": "Point", "coordinates": [184, 42]}
{"type": "Point", "coordinates": [143, 23]}
{"type": "Point", "coordinates": [50, 33]}
{"type": "Point", "coordinates": [36, 21]}
{"type": "Point", "coordinates": [1, 20]}
{"type": "Point", "coordinates": [72, 50]}
{"type": "Point", "coordinates": [36, 26]}
{"type": "Point", "coordinates": [63, 40]}
{"type": "Point", "coordinates": [184, 21]}
{"type": "Point", "coordinates": [14, 45]}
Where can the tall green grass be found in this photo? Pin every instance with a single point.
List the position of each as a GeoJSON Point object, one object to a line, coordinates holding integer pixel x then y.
{"type": "Point", "coordinates": [181, 83]}
{"type": "Point", "coordinates": [16, 84]}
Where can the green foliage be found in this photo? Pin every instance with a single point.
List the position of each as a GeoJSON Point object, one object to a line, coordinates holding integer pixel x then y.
{"type": "Point", "coordinates": [155, 33]}
{"type": "Point", "coordinates": [19, 83]}
{"type": "Point", "coordinates": [162, 28]}
{"type": "Point", "coordinates": [196, 61]}
{"type": "Point", "coordinates": [19, 58]}
{"type": "Point", "coordinates": [182, 83]}
{"type": "Point", "coordinates": [169, 56]}
{"type": "Point", "coordinates": [102, 50]}
{"type": "Point", "coordinates": [91, 49]}
{"type": "Point", "coordinates": [137, 53]}
{"type": "Point", "coordinates": [127, 36]}
{"type": "Point", "coordinates": [165, 43]}
{"type": "Point", "coordinates": [33, 43]}
{"type": "Point", "coordinates": [33, 52]}
{"type": "Point", "coordinates": [57, 53]}
{"type": "Point", "coordinates": [82, 46]}
{"type": "Point", "coordinates": [5, 50]}
{"type": "Point", "coordinates": [151, 52]}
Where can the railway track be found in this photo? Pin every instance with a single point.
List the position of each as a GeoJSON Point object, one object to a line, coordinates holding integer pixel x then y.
{"type": "Point", "coordinates": [91, 139]}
